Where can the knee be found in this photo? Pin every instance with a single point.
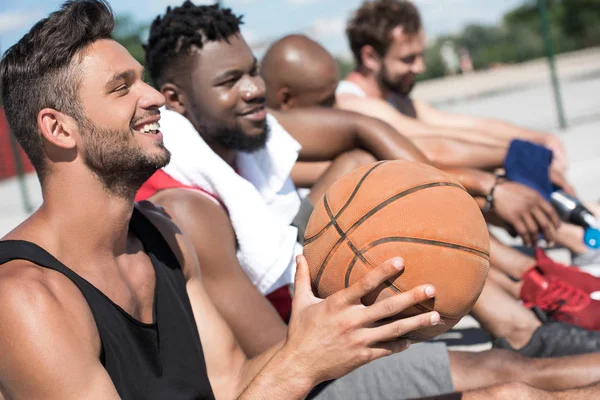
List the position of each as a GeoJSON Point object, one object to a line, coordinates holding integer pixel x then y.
{"type": "Point", "coordinates": [506, 365]}
{"type": "Point", "coordinates": [513, 390]}
{"type": "Point", "coordinates": [356, 158]}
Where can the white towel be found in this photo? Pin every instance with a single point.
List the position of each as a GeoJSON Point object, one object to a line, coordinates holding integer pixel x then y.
{"type": "Point", "coordinates": [261, 201]}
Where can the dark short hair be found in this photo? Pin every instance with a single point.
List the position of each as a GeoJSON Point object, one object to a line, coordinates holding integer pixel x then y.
{"type": "Point", "coordinates": [372, 24]}
{"type": "Point", "coordinates": [174, 36]}
{"type": "Point", "coordinates": [40, 70]}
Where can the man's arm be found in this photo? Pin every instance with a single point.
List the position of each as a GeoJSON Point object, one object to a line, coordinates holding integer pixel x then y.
{"type": "Point", "coordinates": [444, 152]}
{"type": "Point", "coordinates": [326, 133]}
{"type": "Point", "coordinates": [49, 345]}
{"type": "Point", "coordinates": [500, 130]}
{"type": "Point", "coordinates": [410, 127]}
{"type": "Point", "coordinates": [306, 174]}
{"type": "Point", "coordinates": [251, 317]}
{"type": "Point", "coordinates": [326, 339]}
{"type": "Point", "coordinates": [517, 205]}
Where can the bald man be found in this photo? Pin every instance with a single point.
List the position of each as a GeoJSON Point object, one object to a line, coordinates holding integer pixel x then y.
{"type": "Point", "coordinates": [295, 59]}
{"type": "Point", "coordinates": [299, 72]}
{"type": "Point", "coordinates": [291, 81]}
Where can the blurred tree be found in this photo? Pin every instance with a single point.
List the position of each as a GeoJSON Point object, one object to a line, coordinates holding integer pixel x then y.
{"type": "Point", "coordinates": [574, 24]}
{"type": "Point", "coordinates": [346, 66]}
{"type": "Point", "coordinates": [132, 35]}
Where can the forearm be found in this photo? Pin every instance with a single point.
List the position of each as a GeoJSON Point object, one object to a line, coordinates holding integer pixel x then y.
{"type": "Point", "coordinates": [410, 127]}
{"type": "Point", "coordinates": [252, 367]}
{"type": "Point", "coordinates": [385, 143]}
{"type": "Point", "coordinates": [477, 182]}
{"type": "Point", "coordinates": [279, 378]}
{"type": "Point", "coordinates": [507, 132]}
{"type": "Point", "coordinates": [451, 153]}
{"type": "Point", "coordinates": [306, 174]}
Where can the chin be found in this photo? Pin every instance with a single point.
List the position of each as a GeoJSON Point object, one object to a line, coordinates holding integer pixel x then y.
{"type": "Point", "coordinates": [160, 156]}
{"type": "Point", "coordinates": [253, 128]}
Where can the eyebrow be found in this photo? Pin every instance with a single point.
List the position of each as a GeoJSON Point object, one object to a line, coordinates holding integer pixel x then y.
{"type": "Point", "coordinates": [119, 77]}
{"type": "Point", "coordinates": [232, 72]}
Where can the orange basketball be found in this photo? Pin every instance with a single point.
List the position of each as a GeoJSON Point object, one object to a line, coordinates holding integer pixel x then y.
{"type": "Point", "coordinates": [406, 209]}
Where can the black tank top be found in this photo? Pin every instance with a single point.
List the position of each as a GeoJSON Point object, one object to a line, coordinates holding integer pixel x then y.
{"type": "Point", "coordinates": [162, 360]}
{"type": "Point", "coordinates": [403, 104]}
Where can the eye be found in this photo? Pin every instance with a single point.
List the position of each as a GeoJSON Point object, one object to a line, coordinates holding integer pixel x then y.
{"type": "Point", "coordinates": [409, 60]}
{"type": "Point", "coordinates": [121, 88]}
{"type": "Point", "coordinates": [229, 82]}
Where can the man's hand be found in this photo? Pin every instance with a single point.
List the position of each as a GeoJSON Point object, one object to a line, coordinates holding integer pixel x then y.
{"type": "Point", "coordinates": [559, 179]}
{"type": "Point", "coordinates": [332, 337]}
{"type": "Point", "coordinates": [559, 153]}
{"type": "Point", "coordinates": [527, 211]}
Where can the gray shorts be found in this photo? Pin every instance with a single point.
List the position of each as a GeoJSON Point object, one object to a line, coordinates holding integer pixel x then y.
{"type": "Point", "coordinates": [422, 370]}
{"type": "Point", "coordinates": [301, 219]}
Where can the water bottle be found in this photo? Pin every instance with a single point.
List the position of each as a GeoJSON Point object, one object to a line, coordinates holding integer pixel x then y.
{"type": "Point", "coordinates": [571, 210]}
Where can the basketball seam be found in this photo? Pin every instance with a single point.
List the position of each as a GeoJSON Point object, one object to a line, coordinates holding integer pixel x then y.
{"type": "Point", "coordinates": [432, 242]}
{"type": "Point", "coordinates": [374, 210]}
{"type": "Point", "coordinates": [350, 198]}
{"type": "Point", "coordinates": [361, 252]}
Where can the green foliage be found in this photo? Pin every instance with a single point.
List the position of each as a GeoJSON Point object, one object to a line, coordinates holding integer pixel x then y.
{"type": "Point", "coordinates": [132, 35]}
{"type": "Point", "coordinates": [574, 24]}
{"type": "Point", "coordinates": [346, 66]}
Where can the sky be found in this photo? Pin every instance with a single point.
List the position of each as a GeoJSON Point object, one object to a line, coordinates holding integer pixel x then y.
{"type": "Point", "coordinates": [267, 20]}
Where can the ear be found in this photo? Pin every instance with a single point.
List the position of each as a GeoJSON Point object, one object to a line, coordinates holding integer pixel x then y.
{"type": "Point", "coordinates": [370, 59]}
{"type": "Point", "coordinates": [284, 98]}
{"type": "Point", "coordinates": [175, 99]}
{"type": "Point", "coordinates": [57, 128]}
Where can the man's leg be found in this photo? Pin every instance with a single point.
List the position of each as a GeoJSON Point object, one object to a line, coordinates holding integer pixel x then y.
{"type": "Point", "coordinates": [422, 370]}
{"type": "Point", "coordinates": [502, 280]}
{"type": "Point", "coordinates": [513, 391]}
{"type": "Point", "coordinates": [503, 316]}
{"type": "Point", "coordinates": [508, 260]}
{"type": "Point", "coordinates": [431, 370]}
{"type": "Point", "coordinates": [472, 371]}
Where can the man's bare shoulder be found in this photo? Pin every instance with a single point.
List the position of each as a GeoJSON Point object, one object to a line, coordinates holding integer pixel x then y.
{"type": "Point", "coordinates": [28, 287]}
{"type": "Point", "coordinates": [165, 220]}
{"type": "Point", "coordinates": [205, 223]}
{"type": "Point", "coordinates": [185, 206]}
{"type": "Point", "coordinates": [349, 100]}
{"type": "Point", "coordinates": [32, 295]}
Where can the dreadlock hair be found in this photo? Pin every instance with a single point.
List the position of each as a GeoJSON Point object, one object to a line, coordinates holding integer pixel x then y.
{"type": "Point", "coordinates": [42, 70]}
{"type": "Point", "coordinates": [175, 36]}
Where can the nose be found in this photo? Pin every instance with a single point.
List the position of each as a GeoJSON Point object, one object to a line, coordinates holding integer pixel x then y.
{"type": "Point", "coordinates": [252, 88]}
{"type": "Point", "coordinates": [419, 66]}
{"type": "Point", "coordinates": [151, 98]}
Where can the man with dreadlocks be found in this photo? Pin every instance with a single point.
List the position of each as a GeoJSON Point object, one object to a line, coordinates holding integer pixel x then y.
{"type": "Point", "coordinates": [228, 188]}
{"type": "Point", "coordinates": [104, 299]}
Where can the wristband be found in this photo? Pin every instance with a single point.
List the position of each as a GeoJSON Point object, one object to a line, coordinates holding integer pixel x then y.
{"type": "Point", "coordinates": [489, 199]}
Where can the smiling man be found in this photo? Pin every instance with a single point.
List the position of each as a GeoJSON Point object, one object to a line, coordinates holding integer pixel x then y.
{"type": "Point", "coordinates": [104, 299]}
{"type": "Point", "coordinates": [237, 206]}
{"type": "Point", "coordinates": [387, 40]}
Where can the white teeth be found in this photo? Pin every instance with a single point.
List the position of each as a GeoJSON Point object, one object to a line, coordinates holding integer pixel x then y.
{"type": "Point", "coordinates": [150, 128]}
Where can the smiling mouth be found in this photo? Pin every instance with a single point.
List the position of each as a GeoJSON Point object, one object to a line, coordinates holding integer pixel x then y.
{"type": "Point", "coordinates": [151, 129]}
{"type": "Point", "coordinates": [257, 114]}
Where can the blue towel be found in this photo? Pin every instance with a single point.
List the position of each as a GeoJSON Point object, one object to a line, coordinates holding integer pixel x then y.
{"type": "Point", "coordinates": [529, 164]}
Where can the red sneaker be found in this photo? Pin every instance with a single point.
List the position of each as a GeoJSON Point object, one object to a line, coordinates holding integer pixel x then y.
{"type": "Point", "coordinates": [560, 300]}
{"type": "Point", "coordinates": [571, 275]}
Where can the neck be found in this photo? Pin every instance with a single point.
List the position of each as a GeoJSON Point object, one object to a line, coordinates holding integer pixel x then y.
{"type": "Point", "coordinates": [85, 220]}
{"type": "Point", "coordinates": [226, 154]}
{"type": "Point", "coordinates": [367, 81]}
